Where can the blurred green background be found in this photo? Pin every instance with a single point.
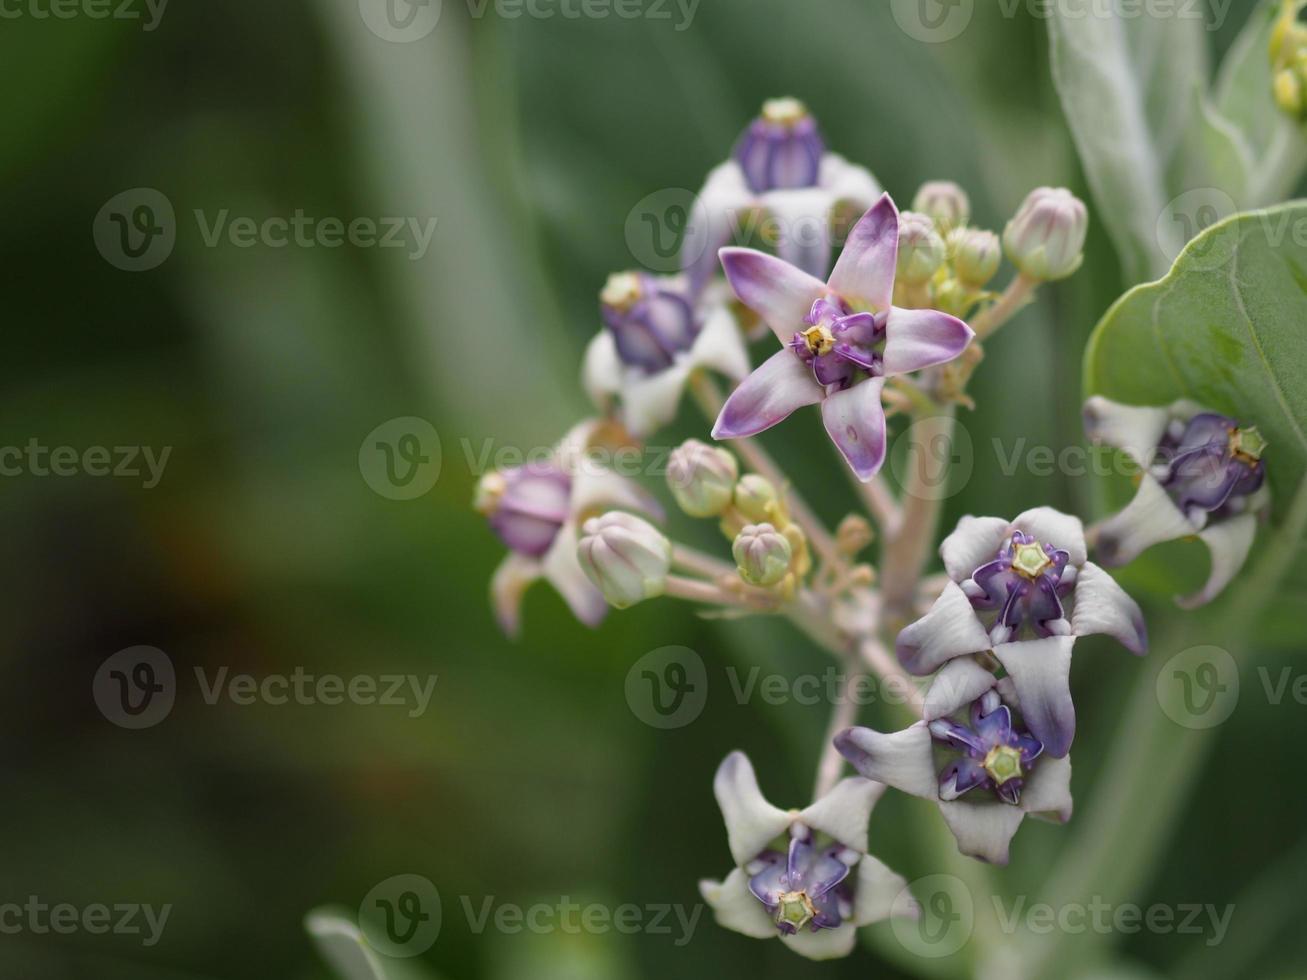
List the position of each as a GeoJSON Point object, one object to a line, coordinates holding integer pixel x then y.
{"type": "Point", "coordinates": [263, 548]}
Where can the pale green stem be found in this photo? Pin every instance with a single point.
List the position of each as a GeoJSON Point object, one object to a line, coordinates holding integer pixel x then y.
{"type": "Point", "coordinates": [696, 591]}
{"type": "Point", "coordinates": [691, 560]}
{"type": "Point", "coordinates": [1017, 294]}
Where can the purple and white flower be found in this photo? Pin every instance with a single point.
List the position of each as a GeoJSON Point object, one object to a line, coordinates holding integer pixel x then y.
{"type": "Point", "coordinates": [842, 339]}
{"type": "Point", "coordinates": [1025, 590]}
{"type": "Point", "coordinates": [536, 509]}
{"type": "Point", "coordinates": [780, 168]}
{"type": "Point", "coordinates": [657, 332]}
{"type": "Point", "coordinates": [1202, 475]}
{"type": "Point", "coordinates": [802, 875]}
{"type": "Point", "coordinates": [972, 757]}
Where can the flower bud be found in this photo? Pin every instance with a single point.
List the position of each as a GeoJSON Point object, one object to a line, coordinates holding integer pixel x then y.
{"type": "Point", "coordinates": [853, 534]}
{"type": "Point", "coordinates": [756, 498]}
{"type": "Point", "coordinates": [651, 319]}
{"type": "Point", "coordinates": [1046, 239]}
{"type": "Point", "coordinates": [921, 250]}
{"type": "Point", "coordinates": [976, 255]}
{"type": "Point", "coordinates": [762, 554]}
{"type": "Point", "coordinates": [526, 506]}
{"type": "Point", "coordinates": [626, 557]}
{"type": "Point", "coordinates": [782, 149]}
{"type": "Point", "coordinates": [945, 203]}
{"type": "Point", "coordinates": [702, 478]}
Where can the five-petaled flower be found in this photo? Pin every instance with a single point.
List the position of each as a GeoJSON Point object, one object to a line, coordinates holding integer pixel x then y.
{"type": "Point", "coordinates": [535, 509]}
{"type": "Point", "coordinates": [1203, 475]}
{"type": "Point", "coordinates": [972, 757]}
{"type": "Point", "coordinates": [802, 875]}
{"type": "Point", "coordinates": [1025, 590]}
{"type": "Point", "coordinates": [843, 338]}
{"type": "Point", "coordinates": [780, 169]}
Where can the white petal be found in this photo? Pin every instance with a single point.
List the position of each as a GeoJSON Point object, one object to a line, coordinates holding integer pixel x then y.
{"type": "Point", "coordinates": [1136, 430]}
{"type": "Point", "coordinates": [1229, 542]}
{"type": "Point", "coordinates": [951, 629]}
{"type": "Point", "coordinates": [597, 489]}
{"type": "Point", "coordinates": [512, 578]}
{"type": "Point", "coordinates": [976, 541]}
{"type": "Point", "coordinates": [651, 401]}
{"type": "Point", "coordinates": [1041, 672]}
{"type": "Point", "coordinates": [843, 813]}
{"type": "Point", "coordinates": [1150, 518]}
{"type": "Point", "coordinates": [903, 759]}
{"type": "Point", "coordinates": [563, 571]}
{"type": "Point", "coordinates": [1051, 526]}
{"type": "Point", "coordinates": [601, 371]}
{"type": "Point", "coordinates": [983, 830]}
{"type": "Point", "coordinates": [343, 945]}
{"type": "Point", "coordinates": [720, 345]}
{"type": "Point", "coordinates": [803, 220]}
{"type": "Point", "coordinates": [878, 886]}
{"type": "Point", "coordinates": [1102, 606]}
{"type": "Point", "coordinates": [960, 681]}
{"type": "Point", "coordinates": [1047, 793]}
{"type": "Point", "coordinates": [736, 908]}
{"type": "Point", "coordinates": [751, 822]}
{"type": "Point", "coordinates": [848, 182]}
{"type": "Point", "coordinates": [721, 207]}
{"type": "Point", "coordinates": [824, 944]}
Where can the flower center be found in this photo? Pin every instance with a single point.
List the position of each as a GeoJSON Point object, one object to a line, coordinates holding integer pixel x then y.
{"type": "Point", "coordinates": [1003, 762]}
{"type": "Point", "coordinates": [1248, 445]}
{"type": "Point", "coordinates": [622, 291]}
{"type": "Point", "coordinates": [784, 112]}
{"type": "Point", "coordinates": [1030, 560]}
{"type": "Point", "coordinates": [490, 491]}
{"type": "Point", "coordinates": [819, 339]}
{"type": "Point", "coordinates": [794, 909]}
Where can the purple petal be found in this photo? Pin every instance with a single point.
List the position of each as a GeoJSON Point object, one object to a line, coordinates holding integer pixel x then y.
{"type": "Point", "coordinates": [959, 776]}
{"type": "Point", "coordinates": [994, 726]}
{"type": "Point", "coordinates": [779, 386]}
{"type": "Point", "coordinates": [903, 759]}
{"type": "Point", "coordinates": [1041, 671]}
{"type": "Point", "coordinates": [957, 736]}
{"type": "Point", "coordinates": [855, 421]}
{"type": "Point", "coordinates": [778, 292]}
{"type": "Point", "coordinates": [865, 270]}
{"type": "Point", "coordinates": [916, 339]}
{"type": "Point", "coordinates": [768, 883]}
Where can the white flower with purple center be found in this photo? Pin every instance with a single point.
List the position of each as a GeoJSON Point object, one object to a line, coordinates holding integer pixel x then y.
{"type": "Point", "coordinates": [1203, 476]}
{"type": "Point", "coordinates": [802, 875]}
{"type": "Point", "coordinates": [972, 757]}
{"type": "Point", "coordinates": [657, 332]}
{"type": "Point", "coordinates": [843, 339]}
{"type": "Point", "coordinates": [536, 510]}
{"type": "Point", "coordinates": [1025, 590]}
{"type": "Point", "coordinates": [780, 168]}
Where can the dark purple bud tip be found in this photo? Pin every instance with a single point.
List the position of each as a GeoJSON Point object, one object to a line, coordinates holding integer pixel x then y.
{"type": "Point", "coordinates": [526, 506]}
{"type": "Point", "coordinates": [1212, 464]}
{"type": "Point", "coordinates": [782, 149]}
{"type": "Point", "coordinates": [652, 320]}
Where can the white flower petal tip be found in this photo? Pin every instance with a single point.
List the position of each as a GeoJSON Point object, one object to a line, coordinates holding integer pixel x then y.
{"type": "Point", "coordinates": [1228, 544]}
{"type": "Point", "coordinates": [751, 822]}
{"type": "Point", "coordinates": [1041, 672]}
{"type": "Point", "coordinates": [1102, 606]}
{"type": "Point", "coordinates": [950, 629]}
{"type": "Point", "coordinates": [844, 812]}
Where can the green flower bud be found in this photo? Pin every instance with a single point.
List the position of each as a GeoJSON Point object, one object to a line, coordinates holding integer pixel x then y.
{"type": "Point", "coordinates": [702, 478]}
{"type": "Point", "coordinates": [921, 250]}
{"type": "Point", "coordinates": [1046, 239]}
{"type": "Point", "coordinates": [976, 256]}
{"type": "Point", "coordinates": [762, 554]}
{"type": "Point", "coordinates": [627, 558]}
{"type": "Point", "coordinates": [756, 498]}
{"type": "Point", "coordinates": [945, 203]}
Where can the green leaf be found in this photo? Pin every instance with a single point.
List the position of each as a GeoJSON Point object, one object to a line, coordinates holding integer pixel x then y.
{"type": "Point", "coordinates": [344, 946]}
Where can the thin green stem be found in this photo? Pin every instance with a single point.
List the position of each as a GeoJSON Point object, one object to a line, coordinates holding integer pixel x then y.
{"type": "Point", "coordinates": [1017, 295]}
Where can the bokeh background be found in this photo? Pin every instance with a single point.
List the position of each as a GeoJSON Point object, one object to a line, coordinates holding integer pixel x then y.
{"type": "Point", "coordinates": [264, 549]}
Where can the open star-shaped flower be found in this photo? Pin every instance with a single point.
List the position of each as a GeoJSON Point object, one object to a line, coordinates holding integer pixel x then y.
{"type": "Point", "coordinates": [842, 339]}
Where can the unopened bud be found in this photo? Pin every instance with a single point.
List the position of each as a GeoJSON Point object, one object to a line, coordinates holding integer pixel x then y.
{"type": "Point", "coordinates": [627, 558]}
{"type": "Point", "coordinates": [762, 554]}
{"type": "Point", "coordinates": [921, 250]}
{"type": "Point", "coordinates": [1046, 239]}
{"type": "Point", "coordinates": [976, 256]}
{"type": "Point", "coordinates": [756, 498]}
{"type": "Point", "coordinates": [945, 203]}
{"type": "Point", "coordinates": [702, 478]}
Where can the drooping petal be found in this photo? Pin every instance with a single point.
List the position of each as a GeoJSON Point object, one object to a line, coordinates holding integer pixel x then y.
{"type": "Point", "coordinates": [877, 889]}
{"type": "Point", "coordinates": [720, 346]}
{"type": "Point", "coordinates": [563, 571]}
{"type": "Point", "coordinates": [864, 272]}
{"type": "Point", "coordinates": [983, 830]}
{"type": "Point", "coordinates": [779, 386]}
{"type": "Point", "coordinates": [597, 489]}
{"type": "Point", "coordinates": [751, 822]}
{"type": "Point", "coordinates": [976, 541]}
{"type": "Point", "coordinates": [651, 401]}
{"type": "Point", "coordinates": [843, 813]}
{"type": "Point", "coordinates": [1150, 518]}
{"type": "Point", "coordinates": [1041, 671]}
{"type": "Point", "coordinates": [1102, 606]}
{"type": "Point", "coordinates": [735, 907]}
{"type": "Point", "coordinates": [771, 287]}
{"type": "Point", "coordinates": [824, 944]}
{"type": "Point", "coordinates": [803, 220]}
{"type": "Point", "coordinates": [1047, 793]}
{"type": "Point", "coordinates": [602, 369]}
{"type": "Point", "coordinates": [855, 421]}
{"type": "Point", "coordinates": [917, 339]}
{"type": "Point", "coordinates": [903, 759]}
{"type": "Point", "coordinates": [1137, 430]}
{"type": "Point", "coordinates": [512, 578]}
{"type": "Point", "coordinates": [1229, 542]}
{"type": "Point", "coordinates": [723, 205]}
{"type": "Point", "coordinates": [1063, 531]}
{"type": "Point", "coordinates": [951, 629]}
{"type": "Point", "coordinates": [958, 683]}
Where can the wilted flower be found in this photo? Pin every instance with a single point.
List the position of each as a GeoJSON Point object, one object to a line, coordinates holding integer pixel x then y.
{"type": "Point", "coordinates": [535, 510]}
{"type": "Point", "coordinates": [842, 339]}
{"type": "Point", "coordinates": [1031, 582]}
{"type": "Point", "coordinates": [780, 168]}
{"type": "Point", "coordinates": [657, 332]}
{"type": "Point", "coordinates": [921, 250]}
{"type": "Point", "coordinates": [1046, 239]}
{"type": "Point", "coordinates": [945, 203]}
{"type": "Point", "coordinates": [762, 554]}
{"type": "Point", "coordinates": [702, 478]}
{"type": "Point", "coordinates": [626, 557]}
{"type": "Point", "coordinates": [982, 769]}
{"type": "Point", "coordinates": [1203, 474]}
{"type": "Point", "coordinates": [804, 876]}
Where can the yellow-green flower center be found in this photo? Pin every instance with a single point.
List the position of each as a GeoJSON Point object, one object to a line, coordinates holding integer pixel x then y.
{"type": "Point", "coordinates": [784, 112]}
{"type": "Point", "coordinates": [795, 908]}
{"type": "Point", "coordinates": [1003, 763]}
{"type": "Point", "coordinates": [1030, 559]}
{"type": "Point", "coordinates": [819, 340]}
{"type": "Point", "coordinates": [1248, 444]}
{"type": "Point", "coordinates": [622, 291]}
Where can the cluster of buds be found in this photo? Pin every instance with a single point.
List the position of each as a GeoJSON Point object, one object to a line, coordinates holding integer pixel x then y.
{"type": "Point", "coordinates": [1288, 53]}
